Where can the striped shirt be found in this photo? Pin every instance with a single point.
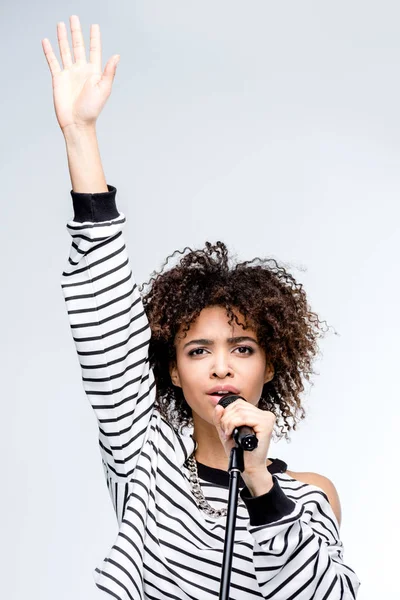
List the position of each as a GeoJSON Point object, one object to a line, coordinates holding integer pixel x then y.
{"type": "Point", "coordinates": [287, 542]}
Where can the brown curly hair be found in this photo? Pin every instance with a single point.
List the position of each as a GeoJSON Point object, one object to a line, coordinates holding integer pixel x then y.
{"type": "Point", "coordinates": [271, 302]}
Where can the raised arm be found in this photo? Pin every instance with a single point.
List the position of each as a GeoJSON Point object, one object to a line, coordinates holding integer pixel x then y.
{"type": "Point", "coordinates": [107, 319]}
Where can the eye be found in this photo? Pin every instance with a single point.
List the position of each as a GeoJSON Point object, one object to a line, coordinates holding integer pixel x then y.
{"type": "Point", "coordinates": [249, 348]}
{"type": "Point", "coordinates": [192, 352]}
{"type": "Point", "coordinates": [199, 351]}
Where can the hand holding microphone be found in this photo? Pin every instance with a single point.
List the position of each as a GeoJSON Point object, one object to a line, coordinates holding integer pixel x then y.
{"type": "Point", "coordinates": [243, 435]}
{"type": "Point", "coordinates": [238, 420]}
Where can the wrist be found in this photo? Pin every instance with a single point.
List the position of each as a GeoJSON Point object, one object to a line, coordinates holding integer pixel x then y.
{"type": "Point", "coordinates": [74, 131]}
{"type": "Point", "coordinates": [258, 483]}
{"type": "Point", "coordinates": [84, 161]}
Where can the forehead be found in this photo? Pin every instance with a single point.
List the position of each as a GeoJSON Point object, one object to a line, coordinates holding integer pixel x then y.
{"type": "Point", "coordinates": [212, 323]}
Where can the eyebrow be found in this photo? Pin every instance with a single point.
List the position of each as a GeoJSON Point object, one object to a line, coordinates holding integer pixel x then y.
{"type": "Point", "coordinates": [232, 340]}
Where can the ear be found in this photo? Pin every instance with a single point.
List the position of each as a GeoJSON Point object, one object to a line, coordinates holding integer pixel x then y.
{"type": "Point", "coordinates": [173, 372]}
{"type": "Point", "coordinates": [269, 372]}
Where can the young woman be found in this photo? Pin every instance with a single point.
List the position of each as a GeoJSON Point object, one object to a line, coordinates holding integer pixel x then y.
{"type": "Point", "coordinates": [154, 367]}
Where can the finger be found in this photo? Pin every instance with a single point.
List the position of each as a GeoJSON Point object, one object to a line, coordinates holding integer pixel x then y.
{"type": "Point", "coordinates": [109, 71]}
{"type": "Point", "coordinates": [78, 43]}
{"type": "Point", "coordinates": [221, 426]}
{"type": "Point", "coordinates": [95, 47]}
{"type": "Point", "coordinates": [219, 412]}
{"type": "Point", "coordinates": [64, 45]}
{"type": "Point", "coordinates": [50, 57]}
{"type": "Point", "coordinates": [217, 415]}
{"type": "Point", "coordinates": [239, 419]}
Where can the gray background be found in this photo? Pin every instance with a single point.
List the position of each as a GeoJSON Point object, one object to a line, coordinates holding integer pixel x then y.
{"type": "Point", "coordinates": [271, 126]}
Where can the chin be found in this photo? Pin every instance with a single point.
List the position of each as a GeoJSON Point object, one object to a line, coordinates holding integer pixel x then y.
{"type": "Point", "coordinates": [203, 416]}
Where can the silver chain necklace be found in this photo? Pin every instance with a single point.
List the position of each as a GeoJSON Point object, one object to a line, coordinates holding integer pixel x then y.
{"type": "Point", "coordinates": [198, 492]}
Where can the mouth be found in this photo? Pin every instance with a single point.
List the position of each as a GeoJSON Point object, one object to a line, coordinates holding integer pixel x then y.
{"type": "Point", "coordinates": [215, 398]}
{"type": "Point", "coordinates": [219, 392]}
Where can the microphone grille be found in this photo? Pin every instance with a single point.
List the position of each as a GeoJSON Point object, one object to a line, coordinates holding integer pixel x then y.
{"type": "Point", "coordinates": [226, 400]}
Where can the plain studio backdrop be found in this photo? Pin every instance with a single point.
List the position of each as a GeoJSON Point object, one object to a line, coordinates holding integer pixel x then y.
{"type": "Point", "coordinates": [273, 127]}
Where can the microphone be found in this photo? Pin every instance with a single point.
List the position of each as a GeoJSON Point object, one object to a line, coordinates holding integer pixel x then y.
{"type": "Point", "coordinates": [244, 436]}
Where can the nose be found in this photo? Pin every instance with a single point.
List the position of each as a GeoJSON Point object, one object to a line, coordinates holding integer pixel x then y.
{"type": "Point", "coordinates": [221, 367]}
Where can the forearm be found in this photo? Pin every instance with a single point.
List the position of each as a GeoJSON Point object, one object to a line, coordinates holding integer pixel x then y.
{"type": "Point", "coordinates": [84, 162]}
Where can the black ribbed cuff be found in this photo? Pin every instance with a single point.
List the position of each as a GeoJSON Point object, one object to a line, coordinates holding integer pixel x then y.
{"type": "Point", "coordinates": [269, 507]}
{"type": "Point", "coordinates": [95, 208]}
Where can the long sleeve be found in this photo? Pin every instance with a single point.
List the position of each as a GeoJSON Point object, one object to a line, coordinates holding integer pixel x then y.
{"type": "Point", "coordinates": [110, 330]}
{"type": "Point", "coordinates": [297, 545]}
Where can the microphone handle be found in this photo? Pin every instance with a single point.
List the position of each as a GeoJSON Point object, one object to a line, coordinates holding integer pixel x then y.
{"type": "Point", "coordinates": [244, 436]}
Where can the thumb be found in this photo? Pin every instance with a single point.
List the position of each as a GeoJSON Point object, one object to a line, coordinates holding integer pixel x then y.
{"type": "Point", "coordinates": [110, 70]}
{"type": "Point", "coordinates": [218, 412]}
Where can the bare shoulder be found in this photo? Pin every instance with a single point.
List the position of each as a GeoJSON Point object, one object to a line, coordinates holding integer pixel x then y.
{"type": "Point", "coordinates": [325, 485]}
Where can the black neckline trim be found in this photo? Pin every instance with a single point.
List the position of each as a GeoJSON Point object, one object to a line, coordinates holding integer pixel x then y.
{"type": "Point", "coordinates": [221, 477]}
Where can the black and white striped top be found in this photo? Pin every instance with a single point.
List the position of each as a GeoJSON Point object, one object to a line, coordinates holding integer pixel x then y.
{"type": "Point", "coordinates": [287, 542]}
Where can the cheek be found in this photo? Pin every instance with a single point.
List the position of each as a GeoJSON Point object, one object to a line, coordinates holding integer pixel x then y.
{"type": "Point", "coordinates": [255, 368]}
{"type": "Point", "coordinates": [189, 371]}
{"type": "Point", "coordinates": [194, 377]}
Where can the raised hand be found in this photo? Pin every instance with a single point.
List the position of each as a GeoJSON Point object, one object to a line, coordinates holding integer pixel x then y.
{"type": "Point", "coordinates": [80, 89]}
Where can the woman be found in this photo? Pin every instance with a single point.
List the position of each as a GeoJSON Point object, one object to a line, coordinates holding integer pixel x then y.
{"type": "Point", "coordinates": [154, 370]}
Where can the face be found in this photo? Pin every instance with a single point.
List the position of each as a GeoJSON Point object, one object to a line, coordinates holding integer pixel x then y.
{"type": "Point", "coordinates": [217, 356]}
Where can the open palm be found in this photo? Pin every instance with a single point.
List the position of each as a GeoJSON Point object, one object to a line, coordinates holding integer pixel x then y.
{"type": "Point", "coordinates": [80, 89]}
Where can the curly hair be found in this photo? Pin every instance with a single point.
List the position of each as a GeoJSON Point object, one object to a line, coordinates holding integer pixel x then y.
{"type": "Point", "coordinates": [271, 302]}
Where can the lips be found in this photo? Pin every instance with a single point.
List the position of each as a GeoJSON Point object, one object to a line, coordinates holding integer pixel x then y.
{"type": "Point", "coordinates": [227, 389]}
